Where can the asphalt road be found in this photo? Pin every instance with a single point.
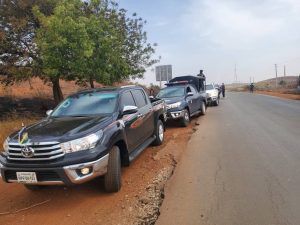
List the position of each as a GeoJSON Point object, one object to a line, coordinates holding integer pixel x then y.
{"type": "Point", "coordinates": [242, 166]}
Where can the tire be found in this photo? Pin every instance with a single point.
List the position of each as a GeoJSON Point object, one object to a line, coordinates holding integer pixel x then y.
{"type": "Point", "coordinates": [217, 102]}
{"type": "Point", "coordinates": [203, 108]}
{"type": "Point", "coordinates": [112, 179]}
{"type": "Point", "coordinates": [186, 118]}
{"type": "Point", "coordinates": [159, 133]}
{"type": "Point", "coordinates": [33, 187]}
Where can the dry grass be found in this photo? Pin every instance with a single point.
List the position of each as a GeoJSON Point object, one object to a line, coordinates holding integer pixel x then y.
{"type": "Point", "coordinates": [37, 88]}
{"type": "Point", "coordinates": [12, 124]}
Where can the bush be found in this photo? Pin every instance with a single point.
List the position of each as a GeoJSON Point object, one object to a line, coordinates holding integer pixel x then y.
{"type": "Point", "coordinates": [282, 83]}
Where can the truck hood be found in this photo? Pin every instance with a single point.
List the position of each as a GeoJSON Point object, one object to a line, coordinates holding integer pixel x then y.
{"type": "Point", "coordinates": [213, 92]}
{"type": "Point", "coordinates": [173, 100]}
{"type": "Point", "coordinates": [63, 128]}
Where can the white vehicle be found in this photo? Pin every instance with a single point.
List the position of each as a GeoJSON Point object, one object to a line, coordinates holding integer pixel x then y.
{"type": "Point", "coordinates": [213, 94]}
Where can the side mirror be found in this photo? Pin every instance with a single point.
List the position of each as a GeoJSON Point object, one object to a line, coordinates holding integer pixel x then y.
{"type": "Point", "coordinates": [129, 109]}
{"type": "Point", "coordinates": [48, 113]}
{"type": "Point", "coordinates": [190, 94]}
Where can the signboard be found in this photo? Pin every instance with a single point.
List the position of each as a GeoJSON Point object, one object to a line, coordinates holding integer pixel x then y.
{"type": "Point", "coordinates": [163, 73]}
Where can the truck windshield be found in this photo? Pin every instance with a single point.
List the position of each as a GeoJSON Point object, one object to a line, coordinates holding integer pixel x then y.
{"type": "Point", "coordinates": [87, 104]}
{"type": "Point", "coordinates": [171, 92]}
{"type": "Point", "coordinates": [209, 87]}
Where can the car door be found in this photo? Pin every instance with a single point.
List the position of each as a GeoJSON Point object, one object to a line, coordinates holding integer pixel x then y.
{"type": "Point", "coordinates": [145, 123]}
{"type": "Point", "coordinates": [190, 99]}
{"type": "Point", "coordinates": [132, 134]}
{"type": "Point", "coordinates": [196, 99]}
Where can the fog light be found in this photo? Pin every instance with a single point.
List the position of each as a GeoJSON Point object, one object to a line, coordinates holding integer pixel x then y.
{"type": "Point", "coordinates": [85, 171]}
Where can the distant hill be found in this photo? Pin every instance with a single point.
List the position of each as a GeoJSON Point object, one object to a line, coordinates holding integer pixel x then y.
{"type": "Point", "coordinates": [288, 82]}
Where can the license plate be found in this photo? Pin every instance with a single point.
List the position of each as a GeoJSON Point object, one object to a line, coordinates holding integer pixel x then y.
{"type": "Point", "coordinates": [26, 177]}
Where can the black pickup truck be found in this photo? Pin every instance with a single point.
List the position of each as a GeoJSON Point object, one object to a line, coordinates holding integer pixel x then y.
{"type": "Point", "coordinates": [90, 134]}
{"type": "Point", "coordinates": [185, 97]}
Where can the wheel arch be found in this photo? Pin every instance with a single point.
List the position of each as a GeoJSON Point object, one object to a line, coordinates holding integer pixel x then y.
{"type": "Point", "coordinates": [123, 152]}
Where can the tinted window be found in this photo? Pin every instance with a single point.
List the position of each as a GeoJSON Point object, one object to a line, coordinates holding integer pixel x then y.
{"type": "Point", "coordinates": [209, 87]}
{"type": "Point", "coordinates": [127, 99]}
{"type": "Point", "coordinates": [87, 104]}
{"type": "Point", "coordinates": [171, 92]}
{"type": "Point", "coordinates": [140, 98]}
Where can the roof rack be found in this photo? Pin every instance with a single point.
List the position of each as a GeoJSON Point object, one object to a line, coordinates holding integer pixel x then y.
{"type": "Point", "coordinates": [125, 86]}
{"type": "Point", "coordinates": [177, 83]}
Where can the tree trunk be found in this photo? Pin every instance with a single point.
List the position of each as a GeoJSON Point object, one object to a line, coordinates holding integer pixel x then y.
{"type": "Point", "coordinates": [57, 93]}
{"type": "Point", "coordinates": [29, 81]}
{"type": "Point", "coordinates": [92, 82]}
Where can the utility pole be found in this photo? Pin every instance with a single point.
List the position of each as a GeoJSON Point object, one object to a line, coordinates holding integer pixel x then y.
{"type": "Point", "coordinates": [276, 75]}
{"type": "Point", "coordinates": [284, 71]}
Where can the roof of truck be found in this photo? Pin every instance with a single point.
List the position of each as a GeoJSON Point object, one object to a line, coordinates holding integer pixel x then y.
{"type": "Point", "coordinates": [105, 89]}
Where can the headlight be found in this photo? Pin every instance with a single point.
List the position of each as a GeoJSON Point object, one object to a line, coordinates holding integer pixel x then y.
{"type": "Point", "coordinates": [85, 143]}
{"type": "Point", "coordinates": [174, 105]}
{"type": "Point", "coordinates": [5, 145]}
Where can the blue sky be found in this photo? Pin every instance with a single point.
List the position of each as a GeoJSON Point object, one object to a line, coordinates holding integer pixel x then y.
{"type": "Point", "coordinates": [214, 35]}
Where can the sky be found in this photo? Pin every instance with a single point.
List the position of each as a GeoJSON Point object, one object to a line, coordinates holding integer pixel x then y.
{"type": "Point", "coordinates": [216, 35]}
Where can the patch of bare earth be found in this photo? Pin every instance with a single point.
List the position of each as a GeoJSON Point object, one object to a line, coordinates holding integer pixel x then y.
{"type": "Point", "coordinates": [279, 94]}
{"type": "Point", "coordinates": [138, 201]}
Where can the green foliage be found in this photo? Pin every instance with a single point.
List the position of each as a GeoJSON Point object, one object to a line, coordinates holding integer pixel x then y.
{"type": "Point", "coordinates": [121, 48]}
{"type": "Point", "coordinates": [17, 30]}
{"type": "Point", "coordinates": [93, 40]}
{"type": "Point", "coordinates": [63, 40]}
{"type": "Point", "coordinates": [85, 41]}
{"type": "Point", "coordinates": [282, 83]}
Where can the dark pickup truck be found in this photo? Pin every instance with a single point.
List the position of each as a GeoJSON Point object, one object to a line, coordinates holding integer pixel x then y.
{"type": "Point", "coordinates": [90, 134]}
{"type": "Point", "coordinates": [185, 97]}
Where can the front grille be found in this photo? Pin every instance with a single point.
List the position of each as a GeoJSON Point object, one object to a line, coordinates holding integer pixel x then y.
{"type": "Point", "coordinates": [40, 175]}
{"type": "Point", "coordinates": [42, 151]}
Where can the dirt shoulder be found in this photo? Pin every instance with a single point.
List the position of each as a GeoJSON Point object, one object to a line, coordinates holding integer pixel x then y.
{"type": "Point", "coordinates": [138, 201]}
{"type": "Point", "coordinates": [278, 94]}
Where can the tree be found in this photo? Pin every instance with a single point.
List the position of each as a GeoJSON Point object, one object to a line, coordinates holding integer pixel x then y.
{"type": "Point", "coordinates": [121, 48]}
{"type": "Point", "coordinates": [17, 31]}
{"type": "Point", "coordinates": [64, 43]}
{"type": "Point", "coordinates": [91, 40]}
{"type": "Point", "coordinates": [136, 53]}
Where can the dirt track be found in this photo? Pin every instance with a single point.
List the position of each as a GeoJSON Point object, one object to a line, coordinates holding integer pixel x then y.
{"type": "Point", "coordinates": [137, 203]}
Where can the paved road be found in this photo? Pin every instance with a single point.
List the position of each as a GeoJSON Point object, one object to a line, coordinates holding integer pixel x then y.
{"type": "Point", "coordinates": [242, 166]}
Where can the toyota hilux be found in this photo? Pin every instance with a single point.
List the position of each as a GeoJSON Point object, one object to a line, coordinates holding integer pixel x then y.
{"type": "Point", "coordinates": [184, 98]}
{"type": "Point", "coordinates": [90, 134]}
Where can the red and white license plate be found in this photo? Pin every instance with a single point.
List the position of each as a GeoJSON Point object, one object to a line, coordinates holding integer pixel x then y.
{"type": "Point", "coordinates": [26, 177]}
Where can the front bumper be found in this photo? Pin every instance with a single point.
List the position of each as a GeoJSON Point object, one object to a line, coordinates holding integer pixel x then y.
{"type": "Point", "coordinates": [175, 114]}
{"type": "Point", "coordinates": [212, 99]}
{"type": "Point", "coordinates": [67, 175]}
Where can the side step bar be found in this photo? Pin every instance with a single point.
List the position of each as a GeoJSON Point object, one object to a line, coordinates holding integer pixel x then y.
{"type": "Point", "coordinates": [139, 149]}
